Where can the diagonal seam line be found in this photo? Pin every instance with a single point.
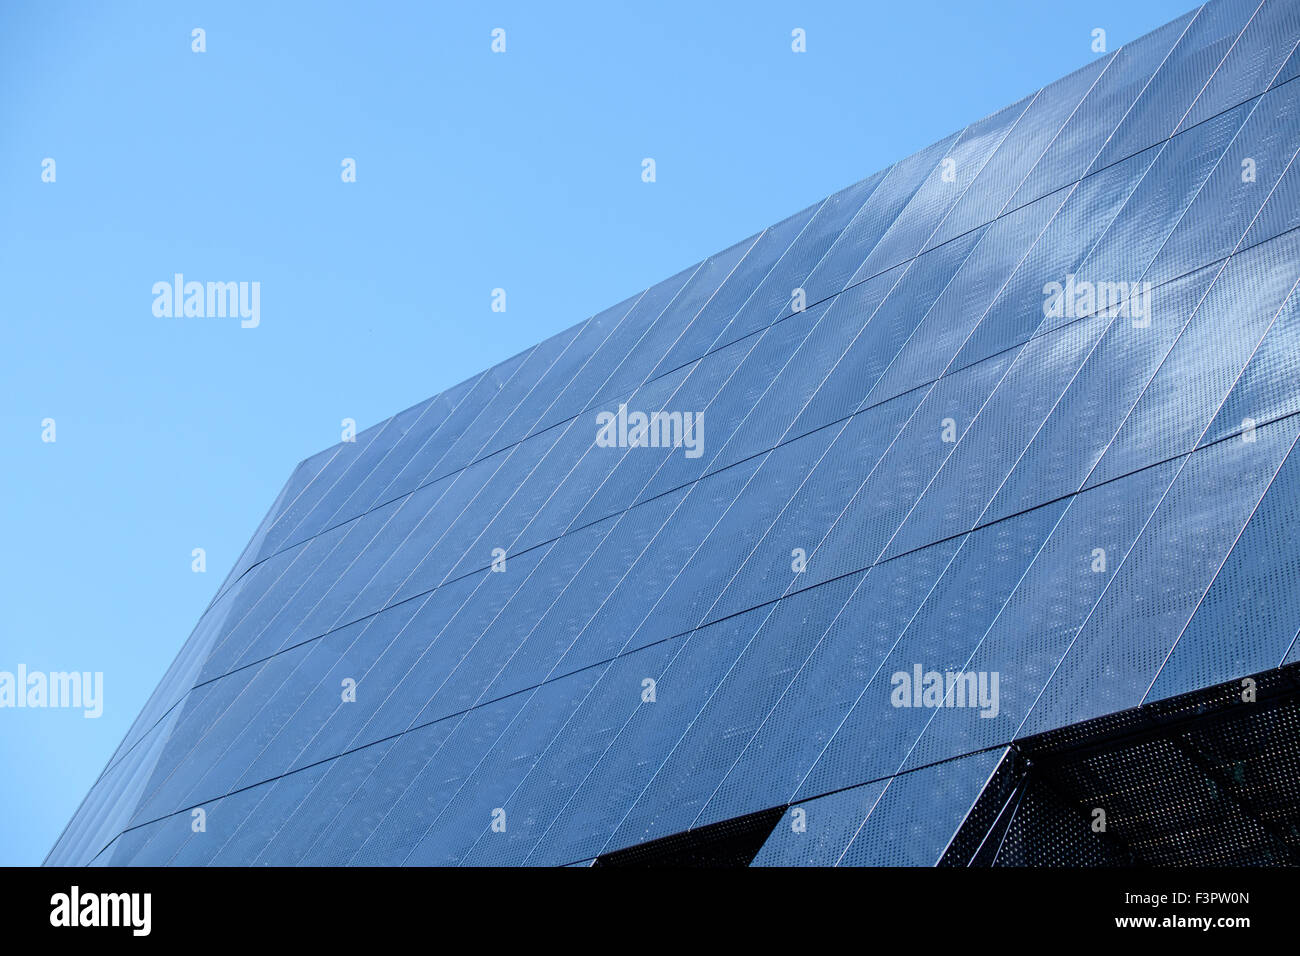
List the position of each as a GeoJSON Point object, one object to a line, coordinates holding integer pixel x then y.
{"type": "Point", "coordinates": [1287, 652]}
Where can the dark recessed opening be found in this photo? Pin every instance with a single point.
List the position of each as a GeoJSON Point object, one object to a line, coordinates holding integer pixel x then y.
{"type": "Point", "coordinates": [732, 842]}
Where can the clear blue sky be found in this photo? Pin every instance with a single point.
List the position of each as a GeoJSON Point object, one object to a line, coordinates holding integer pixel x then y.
{"type": "Point", "coordinates": [475, 170]}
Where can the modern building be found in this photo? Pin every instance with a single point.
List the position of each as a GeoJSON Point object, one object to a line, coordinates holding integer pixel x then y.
{"type": "Point", "coordinates": [950, 520]}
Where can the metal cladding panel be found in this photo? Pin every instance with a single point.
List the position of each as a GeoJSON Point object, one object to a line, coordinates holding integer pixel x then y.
{"type": "Point", "coordinates": [847, 653]}
{"type": "Point", "coordinates": [770, 419]}
{"type": "Point", "coordinates": [561, 769]}
{"type": "Point", "coordinates": [855, 447]}
{"type": "Point", "coordinates": [1020, 309]}
{"type": "Point", "coordinates": [732, 711]}
{"type": "Point", "coordinates": [961, 306]}
{"type": "Point", "coordinates": [989, 196]}
{"type": "Point", "coordinates": [1249, 598]}
{"type": "Point", "coordinates": [687, 311]}
{"type": "Point", "coordinates": [1133, 626]}
{"type": "Point", "coordinates": [946, 183]}
{"type": "Point", "coordinates": [773, 297]}
{"type": "Point", "coordinates": [915, 818]}
{"type": "Point", "coordinates": [1213, 349]}
{"type": "Point", "coordinates": [586, 824]}
{"type": "Point", "coordinates": [1230, 198]}
{"type": "Point", "coordinates": [1253, 64]}
{"type": "Point", "coordinates": [765, 355]}
{"type": "Point", "coordinates": [1104, 109]}
{"type": "Point", "coordinates": [997, 440]}
{"type": "Point", "coordinates": [877, 734]}
{"type": "Point", "coordinates": [1080, 427]}
{"type": "Point", "coordinates": [1038, 620]}
{"type": "Point", "coordinates": [997, 437]}
{"type": "Point", "coordinates": [1178, 82]}
{"type": "Point", "coordinates": [820, 835]}
{"type": "Point", "coordinates": [891, 325]}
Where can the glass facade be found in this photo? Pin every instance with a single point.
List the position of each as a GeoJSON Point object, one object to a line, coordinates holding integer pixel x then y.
{"type": "Point", "coordinates": [994, 442]}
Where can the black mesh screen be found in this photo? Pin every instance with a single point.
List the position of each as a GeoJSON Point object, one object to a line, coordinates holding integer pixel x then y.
{"type": "Point", "coordinates": [1206, 779]}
